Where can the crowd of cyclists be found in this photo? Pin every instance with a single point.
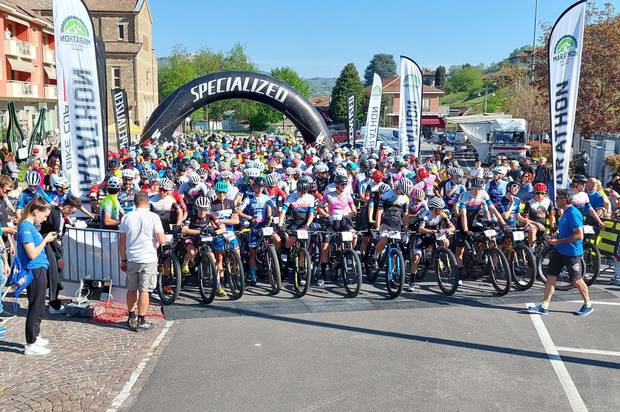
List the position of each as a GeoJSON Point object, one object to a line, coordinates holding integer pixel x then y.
{"type": "Point", "coordinates": [240, 211]}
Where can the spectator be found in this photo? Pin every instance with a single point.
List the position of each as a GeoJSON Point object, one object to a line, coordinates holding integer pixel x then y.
{"type": "Point", "coordinates": [477, 170]}
{"type": "Point", "coordinates": [543, 172]}
{"type": "Point", "coordinates": [7, 231]}
{"type": "Point", "coordinates": [527, 166]}
{"type": "Point", "coordinates": [515, 171]}
{"type": "Point", "coordinates": [37, 166]}
{"type": "Point", "coordinates": [31, 253]}
{"type": "Point", "coordinates": [614, 182]}
{"type": "Point", "coordinates": [8, 34]}
{"type": "Point", "coordinates": [56, 223]}
{"type": "Point", "coordinates": [52, 176]}
{"type": "Point", "coordinates": [582, 160]}
{"type": "Point", "coordinates": [10, 167]}
{"type": "Point", "coordinates": [141, 232]}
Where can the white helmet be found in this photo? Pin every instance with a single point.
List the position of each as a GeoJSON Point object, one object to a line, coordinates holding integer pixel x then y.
{"type": "Point", "coordinates": [128, 174]}
{"type": "Point", "coordinates": [501, 170]}
{"type": "Point", "coordinates": [62, 182]}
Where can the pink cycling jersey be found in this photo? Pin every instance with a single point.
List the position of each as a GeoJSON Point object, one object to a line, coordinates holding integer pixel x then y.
{"type": "Point", "coordinates": [337, 205]}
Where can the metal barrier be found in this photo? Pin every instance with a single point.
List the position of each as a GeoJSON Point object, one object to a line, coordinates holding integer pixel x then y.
{"type": "Point", "coordinates": [92, 253]}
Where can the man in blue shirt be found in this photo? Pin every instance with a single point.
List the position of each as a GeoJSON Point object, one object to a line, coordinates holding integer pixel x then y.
{"type": "Point", "coordinates": [568, 253]}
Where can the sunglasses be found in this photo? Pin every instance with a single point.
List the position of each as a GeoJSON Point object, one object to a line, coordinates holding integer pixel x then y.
{"type": "Point", "coordinates": [540, 193]}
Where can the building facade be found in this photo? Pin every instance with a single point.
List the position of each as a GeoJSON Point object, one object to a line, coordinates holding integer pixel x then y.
{"type": "Point", "coordinates": [27, 66]}
{"type": "Point", "coordinates": [125, 27]}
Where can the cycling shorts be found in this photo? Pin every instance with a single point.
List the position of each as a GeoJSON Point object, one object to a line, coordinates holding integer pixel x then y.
{"type": "Point", "coordinates": [219, 244]}
{"type": "Point", "coordinates": [557, 261]}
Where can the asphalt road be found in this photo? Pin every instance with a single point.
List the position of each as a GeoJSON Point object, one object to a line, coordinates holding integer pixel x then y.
{"type": "Point", "coordinates": [471, 351]}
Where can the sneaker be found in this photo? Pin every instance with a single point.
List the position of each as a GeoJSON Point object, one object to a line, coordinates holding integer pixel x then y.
{"type": "Point", "coordinates": [302, 282]}
{"type": "Point", "coordinates": [132, 324]}
{"type": "Point", "coordinates": [538, 309]}
{"type": "Point", "coordinates": [60, 311]}
{"type": "Point", "coordinates": [145, 326]}
{"type": "Point", "coordinates": [35, 349]}
{"type": "Point", "coordinates": [4, 316]}
{"type": "Point", "coordinates": [42, 341]}
{"type": "Point", "coordinates": [251, 281]}
{"type": "Point", "coordinates": [320, 283]}
{"type": "Point", "coordinates": [585, 310]}
{"type": "Point", "coordinates": [220, 292]}
{"type": "Point", "coordinates": [460, 282]}
{"type": "Point", "coordinates": [411, 288]}
{"type": "Point", "coordinates": [185, 269]}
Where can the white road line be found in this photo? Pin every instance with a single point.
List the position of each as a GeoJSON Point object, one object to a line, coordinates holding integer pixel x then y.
{"type": "Point", "coordinates": [570, 389]}
{"type": "Point", "coordinates": [597, 302]}
{"type": "Point", "coordinates": [590, 351]}
{"type": "Point", "coordinates": [126, 391]}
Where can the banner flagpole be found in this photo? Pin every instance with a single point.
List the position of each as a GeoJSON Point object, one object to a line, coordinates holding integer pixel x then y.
{"type": "Point", "coordinates": [410, 107]}
{"type": "Point", "coordinates": [374, 110]}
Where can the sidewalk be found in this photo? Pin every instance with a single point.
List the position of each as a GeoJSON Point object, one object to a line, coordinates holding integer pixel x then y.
{"type": "Point", "coordinates": [88, 367]}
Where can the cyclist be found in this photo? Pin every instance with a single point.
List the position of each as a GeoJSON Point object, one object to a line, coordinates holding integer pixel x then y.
{"type": "Point", "coordinates": [258, 209]}
{"type": "Point", "coordinates": [436, 218]}
{"type": "Point", "coordinates": [581, 201]}
{"type": "Point", "coordinates": [451, 189]}
{"type": "Point", "coordinates": [474, 206]}
{"type": "Point", "coordinates": [110, 211]}
{"type": "Point", "coordinates": [338, 207]}
{"type": "Point", "coordinates": [198, 222]}
{"type": "Point", "coordinates": [63, 192]}
{"type": "Point", "coordinates": [496, 188]}
{"type": "Point", "coordinates": [33, 179]}
{"type": "Point", "coordinates": [128, 191]}
{"type": "Point", "coordinates": [166, 206]}
{"type": "Point", "coordinates": [539, 212]}
{"type": "Point", "coordinates": [510, 205]}
{"type": "Point", "coordinates": [227, 217]}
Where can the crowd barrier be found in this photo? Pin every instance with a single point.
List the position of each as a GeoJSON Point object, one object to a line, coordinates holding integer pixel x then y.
{"type": "Point", "coordinates": [92, 253]}
{"type": "Point", "coordinates": [608, 240]}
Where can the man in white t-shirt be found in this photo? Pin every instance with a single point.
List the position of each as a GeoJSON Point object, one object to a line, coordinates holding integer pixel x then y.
{"type": "Point", "coordinates": [141, 232]}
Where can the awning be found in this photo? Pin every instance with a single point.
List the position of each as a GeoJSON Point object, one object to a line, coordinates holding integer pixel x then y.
{"type": "Point", "coordinates": [20, 65]}
{"type": "Point", "coordinates": [18, 20]}
{"type": "Point", "coordinates": [434, 121]}
{"type": "Point", "coordinates": [51, 72]}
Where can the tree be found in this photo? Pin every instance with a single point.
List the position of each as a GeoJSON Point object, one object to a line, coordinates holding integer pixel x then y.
{"type": "Point", "coordinates": [440, 77]}
{"type": "Point", "coordinates": [290, 77]}
{"type": "Point", "coordinates": [527, 102]}
{"type": "Point", "coordinates": [348, 82]}
{"type": "Point", "coordinates": [464, 78]}
{"type": "Point", "coordinates": [518, 50]}
{"type": "Point", "coordinates": [179, 71]}
{"type": "Point", "coordinates": [383, 64]}
{"type": "Point", "coordinates": [598, 103]}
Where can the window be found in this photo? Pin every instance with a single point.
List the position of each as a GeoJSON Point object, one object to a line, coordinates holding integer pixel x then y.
{"type": "Point", "coordinates": [116, 76]}
{"type": "Point", "coordinates": [426, 104]}
{"type": "Point", "coordinates": [121, 32]}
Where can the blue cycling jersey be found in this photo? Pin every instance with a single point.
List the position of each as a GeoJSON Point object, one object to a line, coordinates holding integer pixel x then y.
{"type": "Point", "coordinates": [27, 196]}
{"type": "Point", "coordinates": [256, 206]}
{"type": "Point", "coordinates": [504, 206]}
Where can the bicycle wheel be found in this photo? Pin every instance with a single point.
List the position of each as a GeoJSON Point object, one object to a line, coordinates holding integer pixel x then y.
{"type": "Point", "coordinates": [592, 259]}
{"type": "Point", "coordinates": [351, 272]}
{"type": "Point", "coordinates": [233, 272]}
{"type": "Point", "coordinates": [302, 273]}
{"type": "Point", "coordinates": [169, 279]}
{"type": "Point", "coordinates": [523, 266]}
{"type": "Point", "coordinates": [272, 266]}
{"type": "Point", "coordinates": [498, 268]}
{"type": "Point", "coordinates": [447, 270]}
{"type": "Point", "coordinates": [206, 277]}
{"type": "Point", "coordinates": [394, 272]}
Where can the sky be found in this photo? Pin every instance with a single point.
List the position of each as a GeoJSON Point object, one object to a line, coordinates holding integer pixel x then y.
{"type": "Point", "coordinates": [318, 38]}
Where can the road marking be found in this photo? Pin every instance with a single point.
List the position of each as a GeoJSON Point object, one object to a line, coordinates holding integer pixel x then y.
{"type": "Point", "coordinates": [597, 302]}
{"type": "Point", "coordinates": [126, 391]}
{"type": "Point", "coordinates": [570, 389]}
{"type": "Point", "coordinates": [590, 351]}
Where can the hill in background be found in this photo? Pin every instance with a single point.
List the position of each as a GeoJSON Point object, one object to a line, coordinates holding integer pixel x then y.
{"type": "Point", "coordinates": [321, 86]}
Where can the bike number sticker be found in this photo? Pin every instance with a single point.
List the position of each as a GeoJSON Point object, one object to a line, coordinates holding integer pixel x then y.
{"type": "Point", "coordinates": [267, 231]}
{"type": "Point", "coordinates": [302, 234]}
{"type": "Point", "coordinates": [347, 236]}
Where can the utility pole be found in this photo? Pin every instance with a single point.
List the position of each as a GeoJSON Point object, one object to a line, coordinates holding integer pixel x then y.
{"type": "Point", "coordinates": [534, 38]}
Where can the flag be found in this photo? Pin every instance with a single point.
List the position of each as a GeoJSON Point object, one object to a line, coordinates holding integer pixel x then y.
{"type": "Point", "coordinates": [565, 48]}
{"type": "Point", "coordinates": [410, 106]}
{"type": "Point", "coordinates": [374, 111]}
{"type": "Point", "coordinates": [81, 119]}
{"type": "Point", "coordinates": [121, 114]}
{"type": "Point", "coordinates": [351, 111]}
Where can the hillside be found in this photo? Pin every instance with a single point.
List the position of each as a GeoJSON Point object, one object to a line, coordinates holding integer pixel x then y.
{"type": "Point", "coordinates": [321, 86]}
{"type": "Point", "coordinates": [475, 100]}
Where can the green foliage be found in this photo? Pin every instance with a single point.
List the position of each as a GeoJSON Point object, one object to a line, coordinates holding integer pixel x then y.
{"type": "Point", "coordinates": [290, 77]}
{"type": "Point", "coordinates": [520, 49]}
{"type": "Point", "coordinates": [321, 86]}
{"type": "Point", "coordinates": [383, 64]}
{"type": "Point", "coordinates": [464, 78]}
{"type": "Point", "coordinates": [179, 70]}
{"type": "Point", "coordinates": [440, 77]}
{"type": "Point", "coordinates": [348, 82]}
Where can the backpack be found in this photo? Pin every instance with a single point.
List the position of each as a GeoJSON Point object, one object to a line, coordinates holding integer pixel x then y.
{"type": "Point", "coordinates": [19, 274]}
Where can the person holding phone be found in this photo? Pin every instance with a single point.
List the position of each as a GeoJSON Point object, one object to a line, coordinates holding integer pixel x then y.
{"type": "Point", "coordinates": [31, 253]}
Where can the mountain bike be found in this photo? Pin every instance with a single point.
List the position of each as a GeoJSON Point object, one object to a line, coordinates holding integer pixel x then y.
{"type": "Point", "coordinates": [169, 278]}
{"type": "Point", "coordinates": [439, 259]}
{"type": "Point", "coordinates": [521, 258]}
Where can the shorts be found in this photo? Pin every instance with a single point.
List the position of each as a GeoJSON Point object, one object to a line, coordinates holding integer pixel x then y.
{"type": "Point", "coordinates": [253, 237]}
{"type": "Point", "coordinates": [557, 261]}
{"type": "Point", "coordinates": [219, 244]}
{"type": "Point", "coordinates": [425, 241]}
{"type": "Point", "coordinates": [385, 227]}
{"type": "Point", "coordinates": [141, 276]}
{"type": "Point", "coordinates": [337, 226]}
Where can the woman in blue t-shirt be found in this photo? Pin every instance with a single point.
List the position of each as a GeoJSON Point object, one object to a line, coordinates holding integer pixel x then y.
{"type": "Point", "coordinates": [31, 254]}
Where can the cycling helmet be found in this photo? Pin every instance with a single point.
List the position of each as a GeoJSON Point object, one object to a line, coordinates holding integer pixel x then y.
{"type": "Point", "coordinates": [272, 179]}
{"type": "Point", "coordinates": [203, 203]}
{"type": "Point", "coordinates": [62, 182]}
{"type": "Point", "coordinates": [399, 163]}
{"type": "Point", "coordinates": [419, 195]}
{"type": "Point", "coordinates": [510, 185]}
{"type": "Point", "coordinates": [194, 178]}
{"type": "Point", "coordinates": [579, 179]}
{"type": "Point", "coordinates": [500, 170]}
{"type": "Point", "coordinates": [113, 164]}
{"type": "Point", "coordinates": [540, 187]}
{"type": "Point", "coordinates": [477, 183]}
{"type": "Point", "coordinates": [383, 187]}
{"type": "Point", "coordinates": [259, 181]}
{"type": "Point", "coordinates": [297, 171]}
{"type": "Point", "coordinates": [194, 164]}
{"type": "Point", "coordinates": [452, 170]}
{"type": "Point", "coordinates": [422, 173]}
{"type": "Point", "coordinates": [166, 184]}
{"type": "Point", "coordinates": [286, 162]}
{"type": "Point", "coordinates": [114, 183]}
{"type": "Point", "coordinates": [234, 162]}
{"type": "Point", "coordinates": [351, 166]}
{"type": "Point", "coordinates": [341, 179]}
{"type": "Point", "coordinates": [221, 187]}
{"type": "Point", "coordinates": [405, 185]}
{"type": "Point", "coordinates": [226, 175]}
{"type": "Point", "coordinates": [251, 172]}
{"type": "Point", "coordinates": [153, 175]}
{"type": "Point", "coordinates": [303, 185]}
{"type": "Point", "coordinates": [201, 172]}
{"type": "Point", "coordinates": [459, 172]}
{"type": "Point", "coordinates": [33, 178]}
{"type": "Point", "coordinates": [410, 176]}
{"type": "Point", "coordinates": [144, 174]}
{"type": "Point", "coordinates": [146, 165]}
{"type": "Point", "coordinates": [377, 176]}
{"type": "Point", "coordinates": [127, 174]}
{"type": "Point", "coordinates": [488, 174]}
{"type": "Point", "coordinates": [436, 203]}
{"type": "Point", "coordinates": [321, 168]}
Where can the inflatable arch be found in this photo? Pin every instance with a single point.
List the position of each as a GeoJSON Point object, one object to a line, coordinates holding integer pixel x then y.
{"type": "Point", "coordinates": [237, 85]}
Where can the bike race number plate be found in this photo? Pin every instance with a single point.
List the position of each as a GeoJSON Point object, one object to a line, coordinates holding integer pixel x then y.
{"type": "Point", "coordinates": [347, 236]}
{"type": "Point", "coordinates": [394, 235]}
{"type": "Point", "coordinates": [440, 237]}
{"type": "Point", "coordinates": [205, 239]}
{"type": "Point", "coordinates": [168, 239]}
{"type": "Point", "coordinates": [267, 231]}
{"type": "Point", "coordinates": [275, 220]}
{"type": "Point", "coordinates": [336, 217]}
{"type": "Point", "coordinates": [490, 233]}
{"type": "Point", "coordinates": [588, 230]}
{"type": "Point", "coordinates": [229, 236]}
{"type": "Point", "coordinates": [517, 236]}
{"type": "Point", "coordinates": [302, 234]}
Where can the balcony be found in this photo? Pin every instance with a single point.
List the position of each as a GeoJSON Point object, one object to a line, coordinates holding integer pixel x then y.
{"type": "Point", "coordinates": [19, 48]}
{"type": "Point", "coordinates": [22, 89]}
{"type": "Point", "coordinates": [49, 56]}
{"type": "Point", "coordinates": [50, 91]}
